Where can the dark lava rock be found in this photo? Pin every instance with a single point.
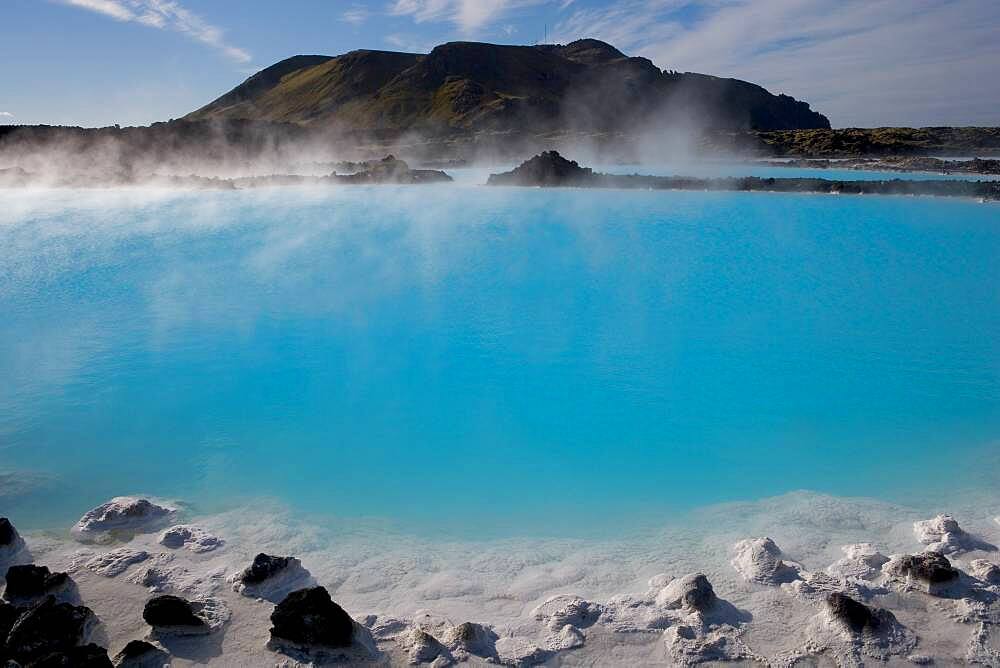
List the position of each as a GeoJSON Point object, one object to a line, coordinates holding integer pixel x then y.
{"type": "Point", "coordinates": [310, 617]}
{"type": "Point", "coordinates": [545, 169]}
{"type": "Point", "coordinates": [931, 567]}
{"type": "Point", "coordinates": [46, 628]}
{"type": "Point", "coordinates": [8, 534]}
{"type": "Point", "coordinates": [30, 581]}
{"type": "Point", "coordinates": [87, 656]}
{"type": "Point", "coordinates": [139, 653]}
{"type": "Point", "coordinates": [263, 567]}
{"type": "Point", "coordinates": [391, 169]}
{"type": "Point", "coordinates": [856, 615]}
{"type": "Point", "coordinates": [170, 610]}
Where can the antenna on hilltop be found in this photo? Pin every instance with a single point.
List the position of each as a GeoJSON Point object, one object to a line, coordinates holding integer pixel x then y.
{"type": "Point", "coordinates": [545, 40]}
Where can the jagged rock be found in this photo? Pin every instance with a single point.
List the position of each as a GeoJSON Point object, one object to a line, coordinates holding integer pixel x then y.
{"type": "Point", "coordinates": [310, 617]}
{"type": "Point", "coordinates": [568, 637]}
{"type": "Point", "coordinates": [862, 561]}
{"type": "Point", "coordinates": [986, 571]}
{"type": "Point", "coordinates": [930, 567]}
{"type": "Point", "coordinates": [942, 534]}
{"type": "Point", "coordinates": [855, 615]}
{"type": "Point", "coordinates": [191, 538]}
{"type": "Point", "coordinates": [124, 514]}
{"type": "Point", "coordinates": [29, 582]}
{"type": "Point", "coordinates": [759, 560]}
{"type": "Point", "coordinates": [85, 656]}
{"type": "Point", "coordinates": [520, 652]}
{"type": "Point", "coordinates": [546, 169]}
{"type": "Point", "coordinates": [11, 542]}
{"type": "Point", "coordinates": [142, 654]}
{"type": "Point", "coordinates": [557, 611]}
{"type": "Point", "coordinates": [472, 638]}
{"type": "Point", "coordinates": [272, 578]}
{"type": "Point", "coordinates": [48, 627]}
{"type": "Point", "coordinates": [116, 562]}
{"type": "Point", "coordinates": [691, 592]}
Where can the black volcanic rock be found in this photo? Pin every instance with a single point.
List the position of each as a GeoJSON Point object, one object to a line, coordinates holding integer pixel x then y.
{"type": "Point", "coordinates": [86, 656]}
{"type": "Point", "coordinates": [8, 534]}
{"type": "Point", "coordinates": [931, 567]}
{"type": "Point", "coordinates": [856, 615]}
{"type": "Point", "coordinates": [310, 617]}
{"type": "Point", "coordinates": [46, 628]}
{"type": "Point", "coordinates": [545, 169]}
{"type": "Point", "coordinates": [264, 566]}
{"type": "Point", "coordinates": [11, 542]}
{"type": "Point", "coordinates": [168, 611]}
{"type": "Point", "coordinates": [28, 582]}
{"type": "Point", "coordinates": [141, 654]}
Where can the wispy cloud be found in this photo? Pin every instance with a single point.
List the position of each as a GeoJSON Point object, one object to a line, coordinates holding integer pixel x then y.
{"type": "Point", "coordinates": [6, 114]}
{"type": "Point", "coordinates": [864, 62]}
{"type": "Point", "coordinates": [469, 15]}
{"type": "Point", "coordinates": [356, 15]}
{"type": "Point", "coordinates": [409, 43]}
{"type": "Point", "coordinates": [165, 15]}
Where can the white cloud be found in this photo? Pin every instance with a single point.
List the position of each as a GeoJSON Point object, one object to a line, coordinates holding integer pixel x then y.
{"type": "Point", "coordinates": [356, 15]}
{"type": "Point", "coordinates": [165, 15]}
{"type": "Point", "coordinates": [862, 62]}
{"type": "Point", "coordinates": [468, 15]}
{"type": "Point", "coordinates": [6, 114]}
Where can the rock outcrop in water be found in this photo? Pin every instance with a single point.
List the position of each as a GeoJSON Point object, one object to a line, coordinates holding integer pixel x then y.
{"type": "Point", "coordinates": [942, 534]}
{"type": "Point", "coordinates": [123, 515]}
{"type": "Point", "coordinates": [310, 625]}
{"type": "Point", "coordinates": [760, 560]}
{"type": "Point", "coordinates": [271, 578]}
{"type": "Point", "coordinates": [551, 170]}
{"type": "Point", "coordinates": [310, 617]}
{"type": "Point", "coordinates": [191, 538]}
{"type": "Point", "coordinates": [11, 543]}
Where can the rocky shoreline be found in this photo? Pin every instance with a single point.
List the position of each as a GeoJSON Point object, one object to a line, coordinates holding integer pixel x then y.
{"type": "Point", "coordinates": [388, 170]}
{"type": "Point", "coordinates": [550, 169]}
{"type": "Point", "coordinates": [129, 585]}
{"type": "Point", "coordinates": [898, 164]}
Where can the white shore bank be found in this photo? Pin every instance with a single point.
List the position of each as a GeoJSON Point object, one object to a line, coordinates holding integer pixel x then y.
{"type": "Point", "coordinates": [568, 602]}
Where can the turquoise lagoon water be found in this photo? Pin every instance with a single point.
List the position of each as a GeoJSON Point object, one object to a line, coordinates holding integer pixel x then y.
{"type": "Point", "coordinates": [490, 360]}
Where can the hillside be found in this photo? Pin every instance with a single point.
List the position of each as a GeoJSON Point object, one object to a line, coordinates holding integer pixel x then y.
{"type": "Point", "coordinates": [587, 85]}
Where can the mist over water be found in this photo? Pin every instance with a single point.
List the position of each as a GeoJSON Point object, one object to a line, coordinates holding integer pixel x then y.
{"type": "Point", "coordinates": [493, 360]}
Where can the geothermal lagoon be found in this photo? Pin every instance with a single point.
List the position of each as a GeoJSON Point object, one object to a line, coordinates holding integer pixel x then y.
{"type": "Point", "coordinates": [453, 402]}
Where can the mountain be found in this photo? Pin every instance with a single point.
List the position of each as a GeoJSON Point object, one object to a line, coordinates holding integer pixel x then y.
{"type": "Point", "coordinates": [586, 85]}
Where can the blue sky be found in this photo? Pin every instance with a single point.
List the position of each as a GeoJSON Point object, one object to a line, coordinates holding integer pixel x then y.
{"type": "Point", "coordinates": [861, 62]}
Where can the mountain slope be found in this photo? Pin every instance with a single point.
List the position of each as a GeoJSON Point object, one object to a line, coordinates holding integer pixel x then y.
{"type": "Point", "coordinates": [587, 85]}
